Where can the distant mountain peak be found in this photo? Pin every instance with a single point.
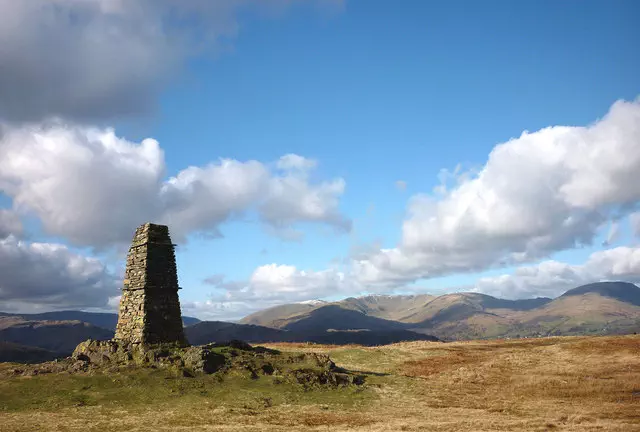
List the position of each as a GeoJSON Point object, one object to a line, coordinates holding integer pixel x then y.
{"type": "Point", "coordinates": [313, 302]}
{"type": "Point", "coordinates": [389, 296]}
{"type": "Point", "coordinates": [622, 291]}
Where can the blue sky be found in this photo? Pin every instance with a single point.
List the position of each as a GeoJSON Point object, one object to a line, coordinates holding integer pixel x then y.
{"type": "Point", "coordinates": [374, 94]}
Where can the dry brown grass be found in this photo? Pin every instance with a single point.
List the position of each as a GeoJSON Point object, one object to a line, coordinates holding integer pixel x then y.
{"type": "Point", "coordinates": [573, 383]}
{"type": "Point", "coordinates": [561, 384]}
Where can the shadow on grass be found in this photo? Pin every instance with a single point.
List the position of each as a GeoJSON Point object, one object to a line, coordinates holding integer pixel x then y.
{"type": "Point", "coordinates": [361, 372]}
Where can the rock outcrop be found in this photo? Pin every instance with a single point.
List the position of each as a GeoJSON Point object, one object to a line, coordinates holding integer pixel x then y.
{"type": "Point", "coordinates": [200, 359]}
{"type": "Point", "coordinates": [234, 358]}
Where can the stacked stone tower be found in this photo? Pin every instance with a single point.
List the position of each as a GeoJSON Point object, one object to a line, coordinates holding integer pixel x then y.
{"type": "Point", "coordinates": [150, 307]}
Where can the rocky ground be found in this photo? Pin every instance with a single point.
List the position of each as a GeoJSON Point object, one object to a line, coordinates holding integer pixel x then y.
{"type": "Point", "coordinates": [235, 357]}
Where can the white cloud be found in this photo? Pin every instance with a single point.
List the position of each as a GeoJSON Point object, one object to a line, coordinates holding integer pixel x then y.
{"type": "Point", "coordinates": [634, 219]}
{"type": "Point", "coordinates": [613, 234]}
{"type": "Point", "coordinates": [534, 196]}
{"type": "Point", "coordinates": [273, 281]}
{"type": "Point", "coordinates": [10, 224]}
{"type": "Point", "coordinates": [85, 184]}
{"type": "Point", "coordinates": [542, 192]}
{"type": "Point", "coordinates": [291, 161]}
{"type": "Point", "coordinates": [401, 185]}
{"type": "Point", "coordinates": [199, 199]}
{"type": "Point", "coordinates": [88, 59]}
{"type": "Point", "coordinates": [291, 198]}
{"type": "Point", "coordinates": [92, 187]}
{"type": "Point", "coordinates": [215, 279]}
{"type": "Point", "coordinates": [214, 310]}
{"type": "Point", "coordinates": [114, 303]}
{"type": "Point", "coordinates": [101, 59]}
{"type": "Point", "coordinates": [553, 278]}
{"type": "Point", "coordinates": [45, 276]}
{"type": "Point", "coordinates": [274, 284]}
{"type": "Point", "coordinates": [271, 285]}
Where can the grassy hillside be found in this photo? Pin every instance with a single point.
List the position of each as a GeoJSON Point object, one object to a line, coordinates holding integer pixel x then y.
{"type": "Point", "coordinates": [576, 384]}
{"type": "Point", "coordinates": [621, 291]}
{"type": "Point", "coordinates": [268, 317]}
{"type": "Point", "coordinates": [219, 331]}
{"type": "Point", "coordinates": [58, 332]}
{"type": "Point", "coordinates": [11, 352]}
{"type": "Point", "coordinates": [588, 313]}
{"type": "Point", "coordinates": [387, 307]}
{"type": "Point", "coordinates": [335, 317]}
{"type": "Point", "coordinates": [392, 308]}
{"type": "Point", "coordinates": [56, 336]}
{"type": "Point", "coordinates": [99, 319]}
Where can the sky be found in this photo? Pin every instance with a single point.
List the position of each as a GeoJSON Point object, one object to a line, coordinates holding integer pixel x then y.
{"type": "Point", "coordinates": [317, 149]}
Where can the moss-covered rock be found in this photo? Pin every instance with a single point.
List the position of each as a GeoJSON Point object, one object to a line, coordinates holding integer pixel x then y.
{"type": "Point", "coordinates": [235, 358]}
{"type": "Point", "coordinates": [200, 359]}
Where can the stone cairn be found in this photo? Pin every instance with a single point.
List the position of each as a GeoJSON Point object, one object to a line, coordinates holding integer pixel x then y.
{"type": "Point", "coordinates": [150, 307]}
{"type": "Point", "coordinates": [150, 332]}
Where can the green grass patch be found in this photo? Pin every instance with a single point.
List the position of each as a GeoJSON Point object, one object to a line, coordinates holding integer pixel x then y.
{"type": "Point", "coordinates": [376, 360]}
{"type": "Point", "coordinates": [138, 388]}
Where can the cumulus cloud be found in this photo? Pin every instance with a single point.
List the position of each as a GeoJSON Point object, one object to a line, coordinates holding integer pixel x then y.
{"type": "Point", "coordinates": [10, 224]}
{"type": "Point", "coordinates": [269, 285]}
{"type": "Point", "coordinates": [101, 59]}
{"type": "Point", "coordinates": [553, 278]}
{"type": "Point", "coordinates": [634, 219]}
{"type": "Point", "coordinates": [276, 282]}
{"type": "Point", "coordinates": [613, 234]}
{"type": "Point", "coordinates": [542, 192]}
{"type": "Point", "coordinates": [273, 284]}
{"type": "Point", "coordinates": [292, 162]}
{"type": "Point", "coordinates": [45, 276]}
{"type": "Point", "coordinates": [292, 198]}
{"type": "Point", "coordinates": [216, 310]}
{"type": "Point", "coordinates": [91, 187]}
{"type": "Point", "coordinates": [215, 279]}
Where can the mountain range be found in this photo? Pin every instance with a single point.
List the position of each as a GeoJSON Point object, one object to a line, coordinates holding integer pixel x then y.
{"type": "Point", "coordinates": [54, 334]}
{"type": "Point", "coordinates": [598, 308]}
